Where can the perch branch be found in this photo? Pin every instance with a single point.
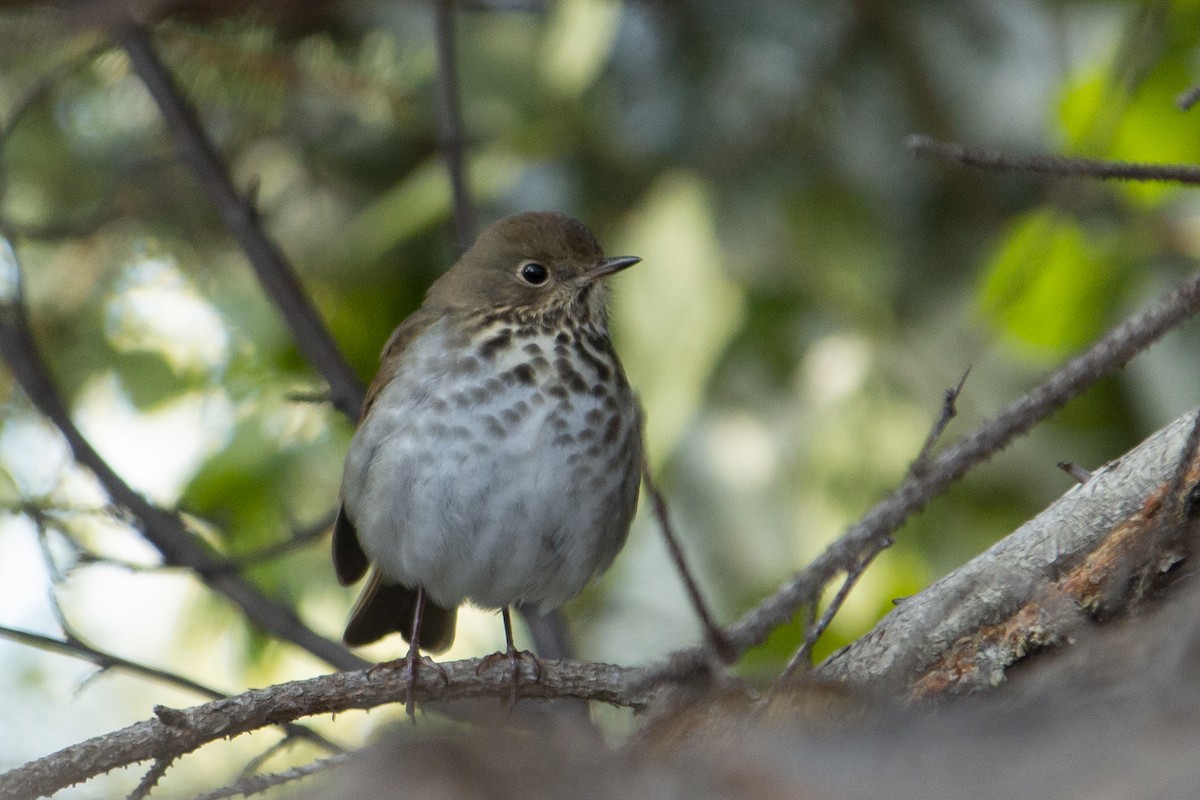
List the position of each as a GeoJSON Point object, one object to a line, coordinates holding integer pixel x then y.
{"type": "Point", "coordinates": [176, 732]}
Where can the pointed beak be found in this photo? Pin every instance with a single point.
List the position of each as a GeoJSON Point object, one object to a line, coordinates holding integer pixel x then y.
{"type": "Point", "coordinates": [608, 267]}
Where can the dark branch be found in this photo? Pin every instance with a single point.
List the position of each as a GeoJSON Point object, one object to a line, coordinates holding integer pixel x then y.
{"type": "Point", "coordinates": [949, 411]}
{"type": "Point", "coordinates": [712, 631]}
{"type": "Point", "coordinates": [1057, 166]}
{"type": "Point", "coordinates": [450, 125]}
{"type": "Point", "coordinates": [274, 272]}
{"type": "Point", "coordinates": [256, 784]}
{"type": "Point", "coordinates": [1108, 354]}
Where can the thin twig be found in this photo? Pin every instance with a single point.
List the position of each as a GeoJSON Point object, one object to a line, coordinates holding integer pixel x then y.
{"type": "Point", "coordinates": [949, 411]}
{"type": "Point", "coordinates": [1106, 355]}
{"type": "Point", "coordinates": [712, 631]}
{"type": "Point", "coordinates": [815, 630]}
{"type": "Point", "coordinates": [76, 648]}
{"type": "Point", "coordinates": [256, 784]}
{"type": "Point", "coordinates": [274, 272]}
{"type": "Point", "coordinates": [73, 645]}
{"type": "Point", "coordinates": [1058, 166]}
{"type": "Point", "coordinates": [151, 778]}
{"type": "Point", "coordinates": [1077, 472]}
{"type": "Point", "coordinates": [450, 125]}
{"type": "Point", "coordinates": [299, 539]}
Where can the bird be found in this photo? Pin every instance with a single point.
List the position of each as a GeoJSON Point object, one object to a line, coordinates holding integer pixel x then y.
{"type": "Point", "coordinates": [498, 456]}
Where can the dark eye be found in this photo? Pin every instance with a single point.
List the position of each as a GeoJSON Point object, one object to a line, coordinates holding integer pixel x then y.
{"type": "Point", "coordinates": [534, 273]}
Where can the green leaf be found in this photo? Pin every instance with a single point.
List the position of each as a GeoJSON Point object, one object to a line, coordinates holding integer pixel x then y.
{"type": "Point", "coordinates": [1049, 283]}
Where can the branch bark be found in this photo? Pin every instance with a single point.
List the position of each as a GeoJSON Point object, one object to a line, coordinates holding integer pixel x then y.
{"type": "Point", "coordinates": [1108, 354]}
{"type": "Point", "coordinates": [179, 731]}
{"type": "Point", "coordinates": [1093, 551]}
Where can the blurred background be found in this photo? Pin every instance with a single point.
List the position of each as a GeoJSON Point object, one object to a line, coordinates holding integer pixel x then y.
{"type": "Point", "coordinates": [808, 293]}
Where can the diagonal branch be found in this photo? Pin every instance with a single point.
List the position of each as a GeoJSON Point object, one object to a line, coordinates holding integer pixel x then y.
{"type": "Point", "coordinates": [1108, 354]}
{"type": "Point", "coordinates": [274, 272]}
{"type": "Point", "coordinates": [164, 529]}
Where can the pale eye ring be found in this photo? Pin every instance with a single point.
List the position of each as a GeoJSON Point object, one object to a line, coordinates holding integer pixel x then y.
{"type": "Point", "coordinates": [533, 273]}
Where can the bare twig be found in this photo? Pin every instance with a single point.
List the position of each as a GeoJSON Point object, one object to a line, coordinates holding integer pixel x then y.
{"type": "Point", "coordinates": [1187, 99]}
{"type": "Point", "coordinates": [179, 731]}
{"type": "Point", "coordinates": [75, 647]}
{"type": "Point", "coordinates": [450, 125]}
{"type": "Point", "coordinates": [256, 784]}
{"type": "Point", "coordinates": [814, 630]}
{"type": "Point", "coordinates": [1107, 354]}
{"type": "Point", "coordinates": [150, 779]}
{"type": "Point", "coordinates": [1077, 472]}
{"type": "Point", "coordinates": [300, 538]}
{"type": "Point", "coordinates": [949, 412]}
{"type": "Point", "coordinates": [712, 632]}
{"type": "Point", "coordinates": [274, 272]}
{"type": "Point", "coordinates": [1058, 166]}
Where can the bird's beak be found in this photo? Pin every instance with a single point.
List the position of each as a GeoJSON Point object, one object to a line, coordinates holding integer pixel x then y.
{"type": "Point", "coordinates": [608, 267]}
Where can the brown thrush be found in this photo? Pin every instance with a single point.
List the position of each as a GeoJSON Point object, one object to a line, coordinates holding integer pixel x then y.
{"type": "Point", "coordinates": [498, 456]}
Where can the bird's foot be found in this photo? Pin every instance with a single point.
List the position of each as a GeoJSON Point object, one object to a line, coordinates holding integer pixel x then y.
{"type": "Point", "coordinates": [514, 657]}
{"type": "Point", "coordinates": [411, 664]}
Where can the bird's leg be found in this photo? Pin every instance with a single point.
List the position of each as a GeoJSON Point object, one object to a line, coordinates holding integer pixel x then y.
{"type": "Point", "coordinates": [414, 654]}
{"type": "Point", "coordinates": [514, 657]}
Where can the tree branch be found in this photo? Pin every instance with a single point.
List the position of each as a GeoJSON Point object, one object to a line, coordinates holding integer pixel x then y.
{"type": "Point", "coordinates": [451, 139]}
{"type": "Point", "coordinates": [179, 731]}
{"type": "Point", "coordinates": [162, 528]}
{"type": "Point", "coordinates": [1108, 354]}
{"type": "Point", "coordinates": [1057, 166]}
{"type": "Point", "coordinates": [1095, 550]}
{"type": "Point", "coordinates": [276, 275]}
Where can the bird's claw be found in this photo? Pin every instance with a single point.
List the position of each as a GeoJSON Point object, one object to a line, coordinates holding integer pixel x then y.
{"type": "Point", "coordinates": [514, 658]}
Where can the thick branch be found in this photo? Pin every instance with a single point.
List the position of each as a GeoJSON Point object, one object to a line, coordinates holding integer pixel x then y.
{"type": "Point", "coordinates": [1105, 356]}
{"type": "Point", "coordinates": [177, 732]}
{"type": "Point", "coordinates": [1092, 551]}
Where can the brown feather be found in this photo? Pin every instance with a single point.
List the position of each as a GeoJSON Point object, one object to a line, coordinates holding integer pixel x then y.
{"type": "Point", "coordinates": [349, 561]}
{"type": "Point", "coordinates": [385, 608]}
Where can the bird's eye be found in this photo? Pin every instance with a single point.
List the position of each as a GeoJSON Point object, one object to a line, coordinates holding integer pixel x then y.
{"type": "Point", "coordinates": [534, 273]}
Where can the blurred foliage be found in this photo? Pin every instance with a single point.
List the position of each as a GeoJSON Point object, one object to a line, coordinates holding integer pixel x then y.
{"type": "Point", "coordinates": [809, 291]}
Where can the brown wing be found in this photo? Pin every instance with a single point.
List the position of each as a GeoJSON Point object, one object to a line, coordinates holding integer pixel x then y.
{"type": "Point", "coordinates": [384, 608]}
{"type": "Point", "coordinates": [349, 561]}
{"type": "Point", "coordinates": [389, 359]}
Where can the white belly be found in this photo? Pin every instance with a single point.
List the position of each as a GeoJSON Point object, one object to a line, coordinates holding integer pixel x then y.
{"type": "Point", "coordinates": [490, 485]}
